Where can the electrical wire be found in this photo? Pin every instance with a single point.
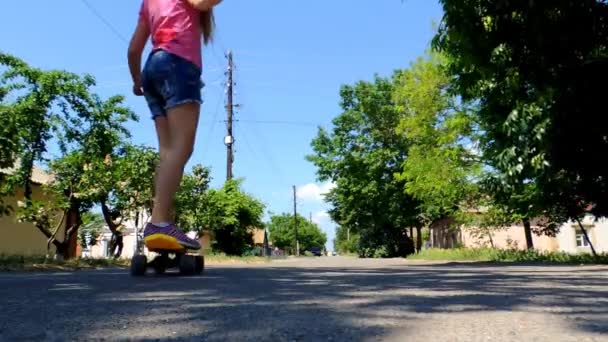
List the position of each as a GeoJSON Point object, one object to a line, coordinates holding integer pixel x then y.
{"type": "Point", "coordinates": [105, 21]}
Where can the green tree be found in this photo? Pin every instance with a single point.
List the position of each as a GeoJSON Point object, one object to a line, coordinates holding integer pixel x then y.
{"type": "Point", "coordinates": [361, 155]}
{"type": "Point", "coordinates": [91, 228]}
{"type": "Point", "coordinates": [282, 234]}
{"type": "Point", "coordinates": [89, 131]}
{"type": "Point", "coordinates": [485, 219]}
{"type": "Point", "coordinates": [538, 83]}
{"type": "Point", "coordinates": [441, 168]}
{"type": "Point", "coordinates": [99, 167]}
{"type": "Point", "coordinates": [192, 200]}
{"type": "Point", "coordinates": [32, 103]}
{"type": "Point", "coordinates": [35, 105]}
{"type": "Point", "coordinates": [232, 215]}
{"type": "Point", "coordinates": [345, 242]}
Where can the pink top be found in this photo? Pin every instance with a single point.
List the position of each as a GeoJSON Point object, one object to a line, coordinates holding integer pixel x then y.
{"type": "Point", "coordinates": [174, 27]}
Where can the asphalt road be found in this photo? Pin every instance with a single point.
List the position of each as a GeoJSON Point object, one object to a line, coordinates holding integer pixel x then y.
{"type": "Point", "coordinates": [324, 299]}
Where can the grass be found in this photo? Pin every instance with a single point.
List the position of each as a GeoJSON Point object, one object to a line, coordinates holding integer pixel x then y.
{"type": "Point", "coordinates": [220, 258]}
{"type": "Point", "coordinates": [42, 263]}
{"type": "Point", "coordinates": [500, 255]}
{"type": "Point", "coordinates": [11, 263]}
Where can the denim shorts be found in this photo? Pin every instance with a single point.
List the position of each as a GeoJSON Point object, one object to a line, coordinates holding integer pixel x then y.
{"type": "Point", "coordinates": [168, 81]}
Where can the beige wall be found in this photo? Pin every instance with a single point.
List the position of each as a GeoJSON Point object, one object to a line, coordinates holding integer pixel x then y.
{"type": "Point", "coordinates": [565, 240]}
{"type": "Point", "coordinates": [598, 234]}
{"type": "Point", "coordinates": [511, 237]}
{"type": "Point", "coordinates": [24, 238]}
{"type": "Point", "coordinates": [99, 249]}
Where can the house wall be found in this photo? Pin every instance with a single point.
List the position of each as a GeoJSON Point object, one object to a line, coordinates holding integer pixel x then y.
{"type": "Point", "coordinates": [205, 240]}
{"type": "Point", "coordinates": [24, 238]}
{"type": "Point", "coordinates": [443, 234]}
{"type": "Point", "coordinates": [99, 250]}
{"type": "Point", "coordinates": [510, 237]}
{"type": "Point", "coordinates": [598, 234]}
{"type": "Point", "coordinates": [564, 241]}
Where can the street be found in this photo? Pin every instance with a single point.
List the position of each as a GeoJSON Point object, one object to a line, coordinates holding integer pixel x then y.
{"type": "Point", "coordinates": [312, 299]}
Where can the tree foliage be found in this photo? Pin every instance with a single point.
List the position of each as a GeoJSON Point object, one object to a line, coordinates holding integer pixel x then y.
{"type": "Point", "coordinates": [100, 167]}
{"type": "Point", "coordinates": [192, 200]}
{"type": "Point", "coordinates": [42, 107]}
{"type": "Point", "coordinates": [361, 155]}
{"type": "Point", "coordinates": [34, 104]}
{"type": "Point", "coordinates": [345, 242]}
{"type": "Point", "coordinates": [536, 69]}
{"type": "Point", "coordinates": [91, 228]}
{"type": "Point", "coordinates": [282, 233]}
{"type": "Point", "coordinates": [441, 168]}
{"type": "Point", "coordinates": [232, 215]}
{"type": "Point", "coordinates": [35, 107]}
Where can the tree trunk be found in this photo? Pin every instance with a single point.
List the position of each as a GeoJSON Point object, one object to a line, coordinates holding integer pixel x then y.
{"type": "Point", "coordinates": [586, 237]}
{"type": "Point", "coordinates": [51, 237]}
{"type": "Point", "coordinates": [72, 224]}
{"type": "Point", "coordinates": [418, 239]}
{"type": "Point", "coordinates": [27, 182]}
{"type": "Point", "coordinates": [108, 216]}
{"type": "Point", "coordinates": [489, 232]}
{"type": "Point", "coordinates": [528, 232]}
{"type": "Point", "coordinates": [116, 244]}
{"type": "Point", "coordinates": [412, 233]}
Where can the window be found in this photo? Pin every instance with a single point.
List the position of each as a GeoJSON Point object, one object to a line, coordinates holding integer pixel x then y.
{"type": "Point", "coordinates": [105, 248]}
{"type": "Point", "coordinates": [580, 240]}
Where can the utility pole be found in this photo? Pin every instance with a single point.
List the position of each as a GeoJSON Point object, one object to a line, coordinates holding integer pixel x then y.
{"type": "Point", "coordinates": [310, 217]}
{"type": "Point", "coordinates": [229, 139]}
{"type": "Point", "coordinates": [295, 222]}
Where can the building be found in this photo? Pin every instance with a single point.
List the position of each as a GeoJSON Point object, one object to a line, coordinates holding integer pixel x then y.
{"type": "Point", "coordinates": [569, 239]}
{"type": "Point", "coordinates": [102, 248]}
{"type": "Point", "coordinates": [24, 238]}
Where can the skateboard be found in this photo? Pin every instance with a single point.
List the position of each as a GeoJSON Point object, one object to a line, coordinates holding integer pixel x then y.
{"type": "Point", "coordinates": [170, 255]}
{"type": "Point", "coordinates": [186, 263]}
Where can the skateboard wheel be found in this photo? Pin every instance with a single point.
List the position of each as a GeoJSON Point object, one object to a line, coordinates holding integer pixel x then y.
{"type": "Point", "coordinates": [138, 265]}
{"type": "Point", "coordinates": [200, 264]}
{"type": "Point", "coordinates": [160, 264]}
{"type": "Point", "coordinates": [187, 264]}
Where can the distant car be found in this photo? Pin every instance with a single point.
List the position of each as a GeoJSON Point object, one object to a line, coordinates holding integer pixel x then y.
{"type": "Point", "coordinates": [316, 251]}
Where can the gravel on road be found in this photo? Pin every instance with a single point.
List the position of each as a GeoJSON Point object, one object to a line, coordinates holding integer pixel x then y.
{"type": "Point", "coordinates": [312, 299]}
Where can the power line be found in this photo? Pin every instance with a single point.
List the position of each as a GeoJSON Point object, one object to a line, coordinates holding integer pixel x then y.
{"type": "Point", "coordinates": [261, 143]}
{"type": "Point", "coordinates": [281, 122]}
{"type": "Point", "coordinates": [246, 142]}
{"type": "Point", "coordinates": [106, 22]}
{"type": "Point", "coordinates": [214, 120]}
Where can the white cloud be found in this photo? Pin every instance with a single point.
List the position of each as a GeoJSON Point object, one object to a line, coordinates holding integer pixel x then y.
{"type": "Point", "coordinates": [319, 217]}
{"type": "Point", "coordinates": [314, 192]}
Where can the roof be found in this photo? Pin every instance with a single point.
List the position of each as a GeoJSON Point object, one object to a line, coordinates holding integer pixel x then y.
{"type": "Point", "coordinates": [39, 176]}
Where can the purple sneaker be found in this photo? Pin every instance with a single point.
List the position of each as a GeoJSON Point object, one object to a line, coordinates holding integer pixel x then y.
{"type": "Point", "coordinates": [168, 238]}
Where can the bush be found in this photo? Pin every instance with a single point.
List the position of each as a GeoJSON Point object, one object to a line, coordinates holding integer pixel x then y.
{"type": "Point", "coordinates": [255, 251]}
{"type": "Point", "coordinates": [384, 243]}
{"type": "Point", "coordinates": [508, 255]}
{"type": "Point", "coordinates": [348, 246]}
{"type": "Point", "coordinates": [41, 262]}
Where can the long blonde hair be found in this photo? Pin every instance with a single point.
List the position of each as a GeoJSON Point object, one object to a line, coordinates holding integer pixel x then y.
{"type": "Point", "coordinates": [207, 22]}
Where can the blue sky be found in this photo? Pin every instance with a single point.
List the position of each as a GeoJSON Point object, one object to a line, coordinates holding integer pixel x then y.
{"type": "Point", "coordinates": [291, 59]}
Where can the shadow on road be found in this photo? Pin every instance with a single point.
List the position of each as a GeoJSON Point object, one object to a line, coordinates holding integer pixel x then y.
{"type": "Point", "coordinates": [291, 302]}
